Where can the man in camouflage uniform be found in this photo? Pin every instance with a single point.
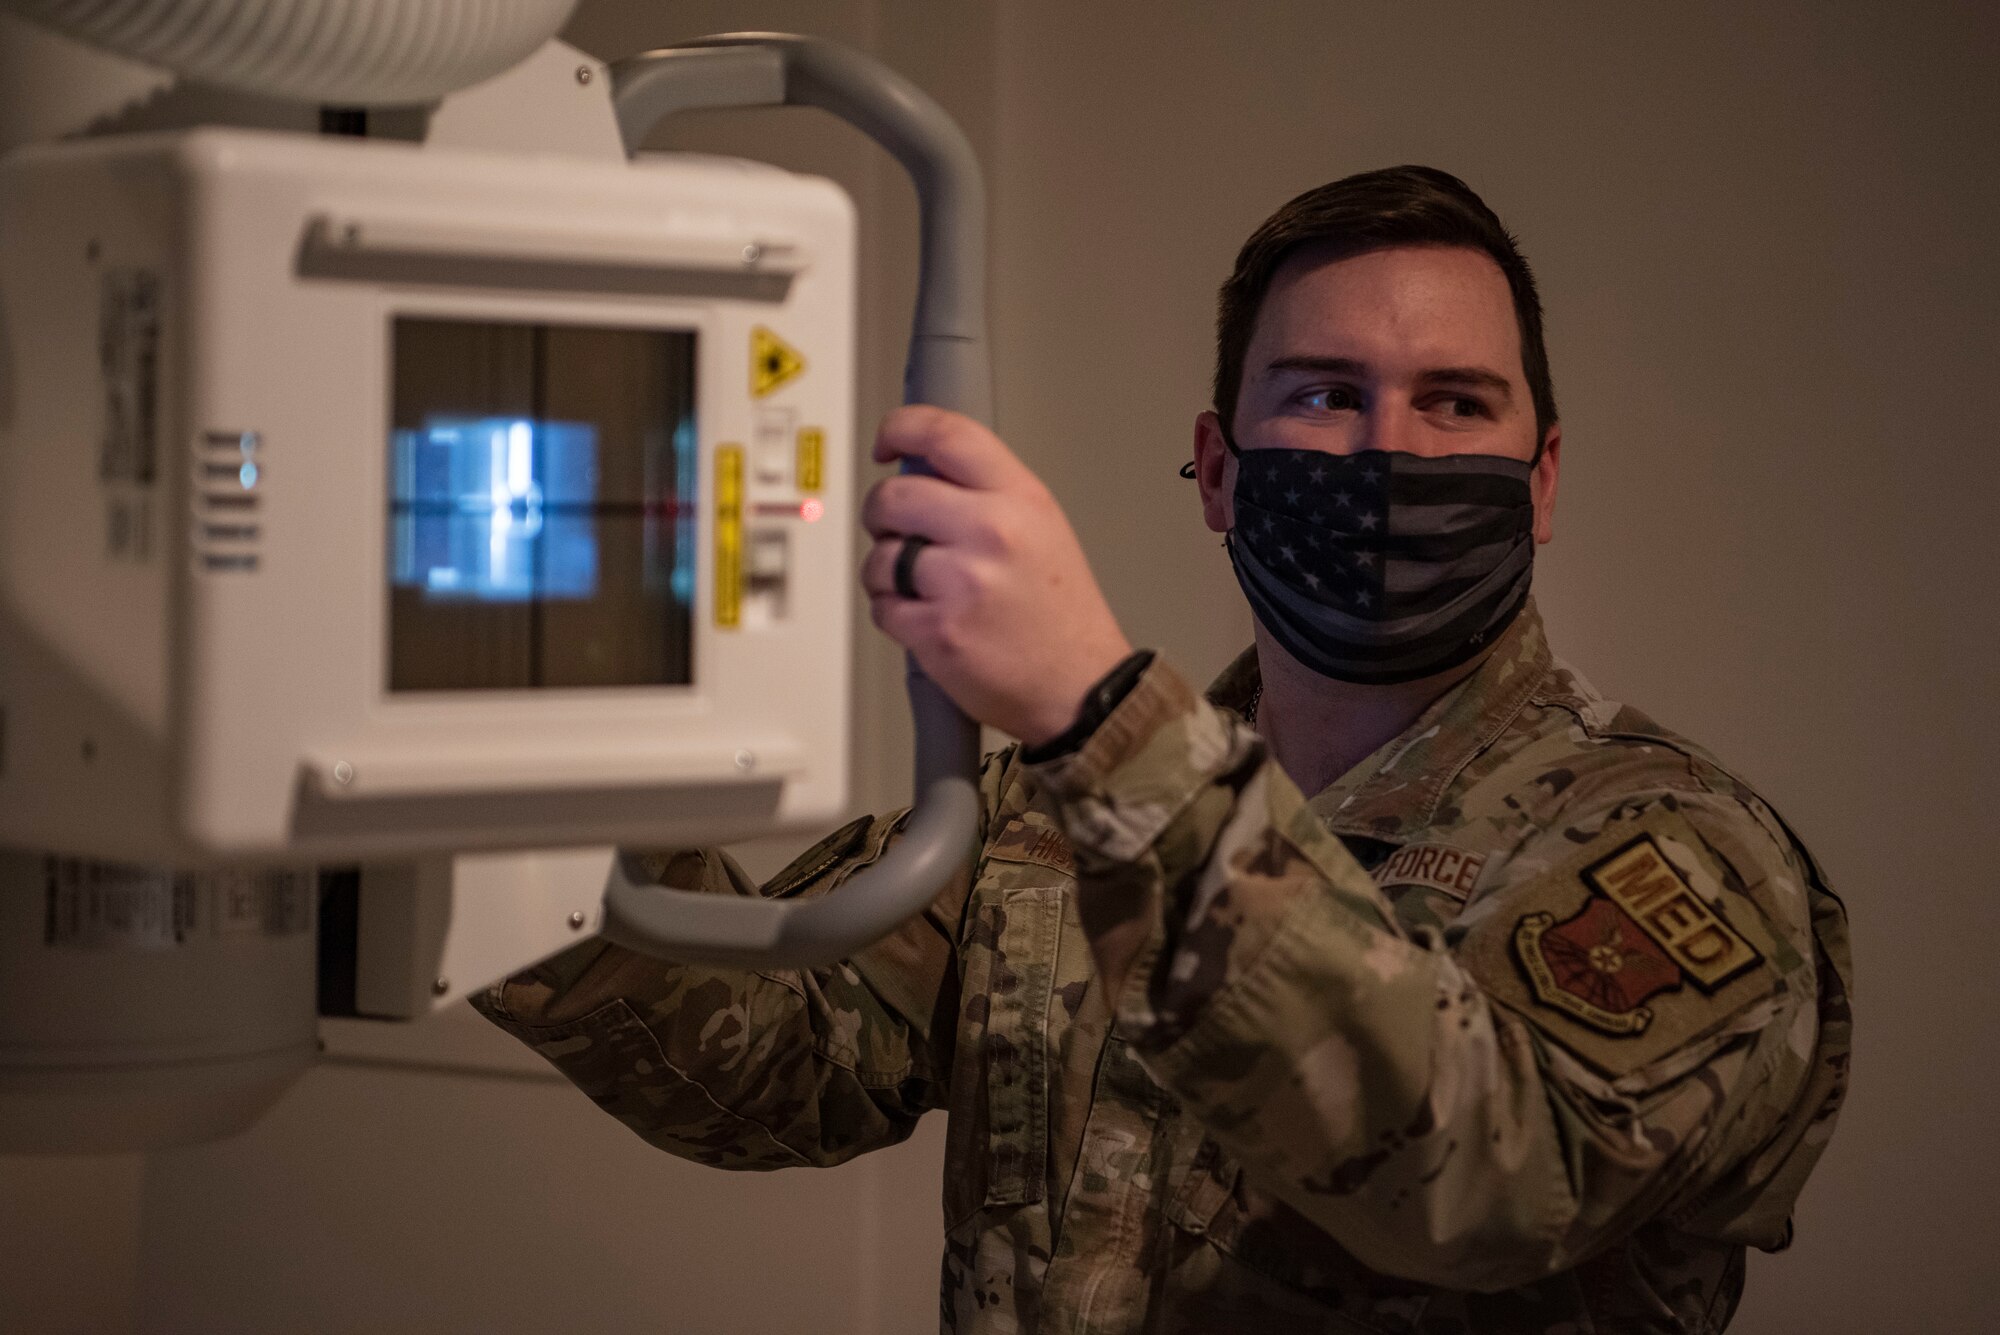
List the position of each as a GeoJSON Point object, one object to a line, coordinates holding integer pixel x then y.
{"type": "Point", "coordinates": [1529, 1018]}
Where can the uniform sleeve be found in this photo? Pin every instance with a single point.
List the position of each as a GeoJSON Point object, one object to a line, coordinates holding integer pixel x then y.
{"type": "Point", "coordinates": [1441, 1109]}
{"type": "Point", "coordinates": [758, 1070]}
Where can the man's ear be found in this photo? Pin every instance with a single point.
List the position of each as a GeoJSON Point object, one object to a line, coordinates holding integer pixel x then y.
{"type": "Point", "coordinates": [1543, 483]}
{"type": "Point", "coordinates": [1214, 473]}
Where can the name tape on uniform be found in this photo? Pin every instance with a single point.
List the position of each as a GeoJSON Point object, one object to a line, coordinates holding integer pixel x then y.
{"type": "Point", "coordinates": [1434, 866]}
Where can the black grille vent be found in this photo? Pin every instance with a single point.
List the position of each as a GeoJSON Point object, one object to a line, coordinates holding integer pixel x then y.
{"type": "Point", "coordinates": [227, 491]}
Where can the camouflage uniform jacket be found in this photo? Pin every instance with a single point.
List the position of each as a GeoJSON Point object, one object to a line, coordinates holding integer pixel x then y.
{"type": "Point", "coordinates": [1529, 1022]}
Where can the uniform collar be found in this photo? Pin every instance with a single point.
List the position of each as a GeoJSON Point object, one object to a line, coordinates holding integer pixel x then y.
{"type": "Point", "coordinates": [1394, 793]}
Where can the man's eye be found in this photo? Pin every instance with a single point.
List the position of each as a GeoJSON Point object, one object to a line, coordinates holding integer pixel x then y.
{"type": "Point", "coordinates": [1336, 398]}
{"type": "Point", "coordinates": [1462, 406]}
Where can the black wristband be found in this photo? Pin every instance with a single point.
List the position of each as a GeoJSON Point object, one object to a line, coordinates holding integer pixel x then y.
{"type": "Point", "coordinates": [1098, 702]}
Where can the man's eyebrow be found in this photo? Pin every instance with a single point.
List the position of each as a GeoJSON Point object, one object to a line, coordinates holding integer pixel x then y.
{"type": "Point", "coordinates": [1322, 365]}
{"type": "Point", "coordinates": [1441, 375]}
{"type": "Point", "coordinates": [1469, 375]}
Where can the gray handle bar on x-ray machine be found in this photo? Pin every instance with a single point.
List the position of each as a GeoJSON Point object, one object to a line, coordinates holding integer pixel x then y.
{"type": "Point", "coordinates": [948, 367]}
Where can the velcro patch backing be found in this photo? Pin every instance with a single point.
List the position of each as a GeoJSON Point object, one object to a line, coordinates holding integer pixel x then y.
{"type": "Point", "coordinates": [1627, 950]}
{"type": "Point", "coordinates": [1026, 841]}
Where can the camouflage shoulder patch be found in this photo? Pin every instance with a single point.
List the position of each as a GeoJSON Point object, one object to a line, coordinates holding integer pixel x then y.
{"type": "Point", "coordinates": [1627, 950]}
{"type": "Point", "coordinates": [1029, 841]}
{"type": "Point", "coordinates": [1433, 866]}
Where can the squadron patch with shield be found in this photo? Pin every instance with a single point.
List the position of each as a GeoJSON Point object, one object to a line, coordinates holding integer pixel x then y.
{"type": "Point", "coordinates": [1595, 965]}
{"type": "Point", "coordinates": [1644, 931]}
{"type": "Point", "coordinates": [1627, 949]}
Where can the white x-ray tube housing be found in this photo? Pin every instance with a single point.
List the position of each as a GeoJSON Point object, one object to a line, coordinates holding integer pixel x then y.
{"type": "Point", "coordinates": [361, 499]}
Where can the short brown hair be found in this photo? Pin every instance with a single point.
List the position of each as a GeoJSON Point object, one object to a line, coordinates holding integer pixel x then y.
{"type": "Point", "coordinates": [1396, 206]}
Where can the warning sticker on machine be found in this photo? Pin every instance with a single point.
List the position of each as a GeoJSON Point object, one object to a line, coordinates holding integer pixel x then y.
{"type": "Point", "coordinates": [812, 457]}
{"type": "Point", "coordinates": [728, 535]}
{"type": "Point", "coordinates": [128, 355]}
{"type": "Point", "coordinates": [772, 361]}
{"type": "Point", "coordinates": [110, 906]}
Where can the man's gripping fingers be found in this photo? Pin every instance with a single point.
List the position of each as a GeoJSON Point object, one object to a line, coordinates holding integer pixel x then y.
{"type": "Point", "coordinates": [953, 446]}
{"type": "Point", "coordinates": [932, 507]}
{"type": "Point", "coordinates": [878, 569]}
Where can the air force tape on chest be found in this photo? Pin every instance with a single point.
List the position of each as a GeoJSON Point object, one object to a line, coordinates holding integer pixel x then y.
{"type": "Point", "coordinates": [1450, 871]}
{"type": "Point", "coordinates": [1628, 950]}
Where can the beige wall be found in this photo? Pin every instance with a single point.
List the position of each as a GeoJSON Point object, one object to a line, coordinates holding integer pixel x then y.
{"type": "Point", "coordinates": [483, 1194]}
{"type": "Point", "coordinates": [69, 1242]}
{"type": "Point", "coordinates": [1761, 233]}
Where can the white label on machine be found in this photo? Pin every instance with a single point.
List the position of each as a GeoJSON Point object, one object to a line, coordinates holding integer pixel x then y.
{"type": "Point", "coordinates": [128, 351]}
{"type": "Point", "coordinates": [106, 906]}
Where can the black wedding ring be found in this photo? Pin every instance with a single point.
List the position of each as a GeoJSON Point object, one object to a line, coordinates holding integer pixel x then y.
{"type": "Point", "coordinates": [906, 565]}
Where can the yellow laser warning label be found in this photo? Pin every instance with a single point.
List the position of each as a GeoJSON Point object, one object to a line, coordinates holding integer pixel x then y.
{"type": "Point", "coordinates": [772, 361]}
{"type": "Point", "coordinates": [812, 457]}
{"type": "Point", "coordinates": [728, 535]}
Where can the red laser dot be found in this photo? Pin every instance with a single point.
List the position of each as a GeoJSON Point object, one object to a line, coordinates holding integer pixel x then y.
{"type": "Point", "coordinates": [811, 510]}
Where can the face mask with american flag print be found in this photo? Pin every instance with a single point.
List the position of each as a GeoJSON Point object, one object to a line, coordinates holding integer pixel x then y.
{"type": "Point", "coordinates": [1382, 566]}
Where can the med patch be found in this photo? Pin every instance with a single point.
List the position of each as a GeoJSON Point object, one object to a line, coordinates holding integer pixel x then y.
{"type": "Point", "coordinates": [1627, 950]}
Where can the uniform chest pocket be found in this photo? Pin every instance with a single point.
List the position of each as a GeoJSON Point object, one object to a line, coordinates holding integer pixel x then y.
{"type": "Point", "coordinates": [998, 1142]}
{"type": "Point", "coordinates": [1274, 1260]}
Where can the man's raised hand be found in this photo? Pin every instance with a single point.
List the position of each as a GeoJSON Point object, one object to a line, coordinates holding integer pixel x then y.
{"type": "Point", "coordinates": [1008, 618]}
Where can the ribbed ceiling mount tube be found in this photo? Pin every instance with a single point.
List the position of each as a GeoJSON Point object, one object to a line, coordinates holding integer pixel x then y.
{"type": "Point", "coordinates": [341, 52]}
